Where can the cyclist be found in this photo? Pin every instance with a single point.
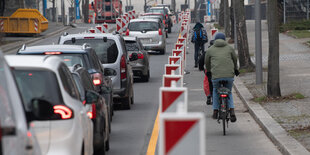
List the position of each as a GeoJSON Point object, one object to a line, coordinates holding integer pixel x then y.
{"type": "Point", "coordinates": [221, 60]}
{"type": "Point", "coordinates": [199, 37]}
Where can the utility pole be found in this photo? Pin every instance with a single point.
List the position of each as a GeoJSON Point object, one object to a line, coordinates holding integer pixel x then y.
{"type": "Point", "coordinates": [307, 9]}
{"type": "Point", "coordinates": [63, 12]}
{"type": "Point", "coordinates": [44, 8]}
{"type": "Point", "coordinates": [284, 11]}
{"type": "Point", "coordinates": [258, 43]}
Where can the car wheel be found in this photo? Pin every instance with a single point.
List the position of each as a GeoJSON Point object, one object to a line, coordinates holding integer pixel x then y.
{"type": "Point", "coordinates": [145, 78]}
{"type": "Point", "coordinates": [82, 151]}
{"type": "Point", "coordinates": [163, 51]}
{"type": "Point", "coordinates": [169, 29]}
{"type": "Point", "coordinates": [127, 102]}
{"type": "Point", "coordinates": [107, 145]}
{"type": "Point", "coordinates": [132, 97]}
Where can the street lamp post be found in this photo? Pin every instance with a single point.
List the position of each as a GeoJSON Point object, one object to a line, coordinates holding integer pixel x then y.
{"type": "Point", "coordinates": [307, 9]}
{"type": "Point", "coordinates": [258, 43]}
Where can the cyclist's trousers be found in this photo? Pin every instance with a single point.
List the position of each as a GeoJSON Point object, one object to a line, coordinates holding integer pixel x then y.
{"type": "Point", "coordinates": [215, 96]}
{"type": "Point", "coordinates": [198, 47]}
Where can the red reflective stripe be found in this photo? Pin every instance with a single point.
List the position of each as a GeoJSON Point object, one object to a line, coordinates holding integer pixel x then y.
{"type": "Point", "coordinates": [169, 97]}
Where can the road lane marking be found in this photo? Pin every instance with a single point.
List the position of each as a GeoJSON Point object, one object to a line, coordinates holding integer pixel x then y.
{"type": "Point", "coordinates": [153, 140]}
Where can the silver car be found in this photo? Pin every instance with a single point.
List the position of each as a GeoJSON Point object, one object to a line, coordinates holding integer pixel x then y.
{"type": "Point", "coordinates": [112, 53]}
{"type": "Point", "coordinates": [140, 67]}
{"type": "Point", "coordinates": [47, 89]}
{"type": "Point", "coordinates": [17, 135]}
{"type": "Point", "coordinates": [150, 31]}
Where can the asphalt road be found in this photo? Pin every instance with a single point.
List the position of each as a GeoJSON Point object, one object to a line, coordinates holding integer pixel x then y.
{"type": "Point", "coordinates": [131, 129]}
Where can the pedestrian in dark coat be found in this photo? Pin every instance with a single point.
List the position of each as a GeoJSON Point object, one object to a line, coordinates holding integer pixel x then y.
{"type": "Point", "coordinates": [199, 38]}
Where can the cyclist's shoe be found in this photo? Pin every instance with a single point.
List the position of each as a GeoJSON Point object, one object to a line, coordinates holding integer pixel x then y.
{"type": "Point", "coordinates": [233, 117]}
{"type": "Point", "coordinates": [209, 101]}
{"type": "Point", "coordinates": [215, 114]}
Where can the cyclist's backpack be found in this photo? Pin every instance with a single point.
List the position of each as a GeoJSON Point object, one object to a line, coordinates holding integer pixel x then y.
{"type": "Point", "coordinates": [200, 35]}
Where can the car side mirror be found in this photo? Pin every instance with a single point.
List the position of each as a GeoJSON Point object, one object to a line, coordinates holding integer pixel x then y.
{"type": "Point", "coordinates": [41, 109]}
{"type": "Point", "coordinates": [106, 90]}
{"type": "Point", "coordinates": [91, 97]}
{"type": "Point", "coordinates": [133, 57]}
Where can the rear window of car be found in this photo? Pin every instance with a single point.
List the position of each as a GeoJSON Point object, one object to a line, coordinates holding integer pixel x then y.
{"type": "Point", "coordinates": [132, 46]}
{"type": "Point", "coordinates": [106, 51]}
{"type": "Point", "coordinates": [159, 10]}
{"type": "Point", "coordinates": [73, 59]}
{"type": "Point", "coordinates": [154, 16]}
{"type": "Point", "coordinates": [143, 26]}
{"type": "Point", "coordinates": [38, 84]}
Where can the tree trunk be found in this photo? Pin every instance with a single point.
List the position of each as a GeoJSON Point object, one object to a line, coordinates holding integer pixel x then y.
{"type": "Point", "coordinates": [221, 16]}
{"type": "Point", "coordinates": [85, 10]}
{"type": "Point", "coordinates": [273, 82]}
{"type": "Point", "coordinates": [196, 11]}
{"type": "Point", "coordinates": [242, 38]}
{"type": "Point", "coordinates": [232, 19]}
{"type": "Point", "coordinates": [226, 18]}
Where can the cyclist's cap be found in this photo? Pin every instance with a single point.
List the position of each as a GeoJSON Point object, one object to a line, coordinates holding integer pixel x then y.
{"type": "Point", "coordinates": [220, 35]}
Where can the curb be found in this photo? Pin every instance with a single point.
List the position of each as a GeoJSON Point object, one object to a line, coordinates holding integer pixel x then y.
{"type": "Point", "coordinates": [286, 144]}
{"type": "Point", "coordinates": [9, 47]}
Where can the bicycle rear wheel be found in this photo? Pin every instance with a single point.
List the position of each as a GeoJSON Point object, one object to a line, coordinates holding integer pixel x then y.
{"type": "Point", "coordinates": [224, 122]}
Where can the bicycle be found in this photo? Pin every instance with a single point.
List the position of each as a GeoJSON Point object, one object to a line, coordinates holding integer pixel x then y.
{"type": "Point", "coordinates": [223, 106]}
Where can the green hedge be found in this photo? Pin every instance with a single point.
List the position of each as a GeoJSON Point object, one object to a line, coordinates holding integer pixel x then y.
{"type": "Point", "coordinates": [296, 25]}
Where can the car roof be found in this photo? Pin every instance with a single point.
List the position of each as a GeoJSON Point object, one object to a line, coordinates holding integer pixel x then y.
{"type": "Point", "coordinates": [149, 13]}
{"type": "Point", "coordinates": [34, 61]}
{"type": "Point", "coordinates": [95, 35]}
{"type": "Point", "coordinates": [144, 19]}
{"type": "Point", "coordinates": [130, 38]}
{"type": "Point", "coordinates": [52, 48]}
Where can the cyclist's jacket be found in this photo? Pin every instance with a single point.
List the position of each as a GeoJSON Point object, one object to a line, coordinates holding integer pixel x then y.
{"type": "Point", "coordinates": [221, 60]}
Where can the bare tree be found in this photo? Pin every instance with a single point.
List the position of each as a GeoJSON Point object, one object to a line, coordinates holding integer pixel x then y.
{"type": "Point", "coordinates": [221, 16]}
{"type": "Point", "coordinates": [226, 18]}
{"type": "Point", "coordinates": [232, 19]}
{"type": "Point", "coordinates": [273, 82]}
{"type": "Point", "coordinates": [242, 38]}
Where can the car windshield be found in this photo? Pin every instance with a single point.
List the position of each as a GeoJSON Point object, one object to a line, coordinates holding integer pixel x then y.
{"type": "Point", "coordinates": [143, 26]}
{"type": "Point", "coordinates": [34, 84]}
{"type": "Point", "coordinates": [6, 113]}
{"type": "Point", "coordinates": [132, 46]}
{"type": "Point", "coordinates": [106, 51]}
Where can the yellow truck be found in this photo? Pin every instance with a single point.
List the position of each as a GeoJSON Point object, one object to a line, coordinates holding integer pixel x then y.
{"type": "Point", "coordinates": [24, 21]}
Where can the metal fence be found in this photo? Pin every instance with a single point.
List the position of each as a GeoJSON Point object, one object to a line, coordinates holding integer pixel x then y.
{"type": "Point", "coordinates": [295, 10]}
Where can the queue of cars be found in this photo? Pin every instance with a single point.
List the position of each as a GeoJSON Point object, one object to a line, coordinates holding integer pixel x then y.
{"type": "Point", "coordinates": [59, 99]}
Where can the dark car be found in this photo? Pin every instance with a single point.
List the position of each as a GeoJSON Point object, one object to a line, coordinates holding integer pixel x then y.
{"type": "Point", "coordinates": [99, 110]}
{"type": "Point", "coordinates": [74, 55]}
{"type": "Point", "coordinates": [140, 67]}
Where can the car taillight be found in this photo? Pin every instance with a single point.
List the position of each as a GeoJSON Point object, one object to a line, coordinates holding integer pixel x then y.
{"type": "Point", "coordinates": [164, 22]}
{"type": "Point", "coordinates": [127, 32]}
{"type": "Point", "coordinates": [123, 68]}
{"type": "Point", "coordinates": [63, 111]}
{"type": "Point", "coordinates": [140, 56]}
{"type": "Point", "coordinates": [52, 53]}
{"type": "Point", "coordinates": [97, 79]}
{"type": "Point", "coordinates": [92, 114]}
{"type": "Point", "coordinates": [160, 32]}
{"type": "Point", "coordinates": [223, 95]}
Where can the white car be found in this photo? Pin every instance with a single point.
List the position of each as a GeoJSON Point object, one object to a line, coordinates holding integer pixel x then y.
{"type": "Point", "coordinates": [62, 126]}
{"type": "Point", "coordinates": [16, 136]}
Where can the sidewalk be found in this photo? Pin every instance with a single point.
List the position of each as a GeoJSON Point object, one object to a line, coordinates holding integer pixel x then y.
{"type": "Point", "coordinates": [243, 137]}
{"type": "Point", "coordinates": [292, 115]}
